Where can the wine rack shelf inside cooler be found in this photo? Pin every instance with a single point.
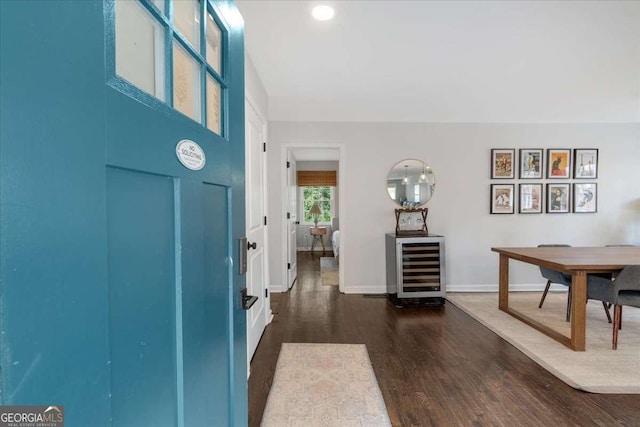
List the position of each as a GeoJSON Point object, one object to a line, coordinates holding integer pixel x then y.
{"type": "Point", "coordinates": [415, 266]}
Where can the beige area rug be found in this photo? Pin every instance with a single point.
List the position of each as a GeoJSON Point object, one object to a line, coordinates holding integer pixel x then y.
{"type": "Point", "coordinates": [599, 369]}
{"type": "Point", "coordinates": [329, 271]}
{"type": "Point", "coordinates": [324, 385]}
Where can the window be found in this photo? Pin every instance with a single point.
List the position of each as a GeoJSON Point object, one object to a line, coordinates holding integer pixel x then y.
{"type": "Point", "coordinates": [190, 77]}
{"type": "Point", "coordinates": [416, 193]}
{"type": "Point", "coordinates": [323, 196]}
{"type": "Point", "coordinates": [392, 191]}
{"type": "Point", "coordinates": [317, 187]}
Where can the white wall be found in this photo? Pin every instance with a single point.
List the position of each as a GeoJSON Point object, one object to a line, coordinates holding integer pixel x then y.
{"type": "Point", "coordinates": [317, 165]}
{"type": "Point", "coordinates": [460, 157]}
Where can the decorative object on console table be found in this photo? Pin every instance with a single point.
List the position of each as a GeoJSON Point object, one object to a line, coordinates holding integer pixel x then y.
{"type": "Point", "coordinates": [503, 163]}
{"type": "Point", "coordinates": [415, 269]}
{"type": "Point", "coordinates": [411, 222]}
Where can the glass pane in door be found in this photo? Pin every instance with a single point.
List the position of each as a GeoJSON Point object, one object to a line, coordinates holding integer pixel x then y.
{"type": "Point", "coordinates": [139, 48]}
{"type": "Point", "coordinates": [214, 44]}
{"type": "Point", "coordinates": [213, 105]}
{"type": "Point", "coordinates": [186, 18]}
{"type": "Point", "coordinates": [186, 83]}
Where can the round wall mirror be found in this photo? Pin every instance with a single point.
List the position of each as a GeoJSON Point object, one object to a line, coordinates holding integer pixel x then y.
{"type": "Point", "coordinates": [410, 183]}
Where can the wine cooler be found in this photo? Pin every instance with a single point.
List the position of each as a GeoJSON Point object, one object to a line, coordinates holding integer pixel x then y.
{"type": "Point", "coordinates": [415, 267]}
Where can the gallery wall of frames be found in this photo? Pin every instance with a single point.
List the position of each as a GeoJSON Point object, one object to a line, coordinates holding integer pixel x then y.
{"type": "Point", "coordinates": [552, 180]}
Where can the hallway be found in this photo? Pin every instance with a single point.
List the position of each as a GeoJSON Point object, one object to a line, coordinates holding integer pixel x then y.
{"type": "Point", "coordinates": [435, 366]}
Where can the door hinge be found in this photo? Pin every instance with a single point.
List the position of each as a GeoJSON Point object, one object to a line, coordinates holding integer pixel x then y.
{"type": "Point", "coordinates": [266, 293]}
{"type": "Point", "coordinates": [265, 220]}
{"type": "Point", "coordinates": [288, 266]}
{"type": "Point", "coordinates": [264, 147]}
{"type": "Point", "coordinates": [288, 215]}
{"type": "Point", "coordinates": [288, 165]}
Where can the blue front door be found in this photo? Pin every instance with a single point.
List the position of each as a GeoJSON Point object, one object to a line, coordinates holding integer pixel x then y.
{"type": "Point", "coordinates": [119, 294]}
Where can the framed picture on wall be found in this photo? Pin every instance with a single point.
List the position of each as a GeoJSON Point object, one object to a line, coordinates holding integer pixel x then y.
{"type": "Point", "coordinates": [585, 163]}
{"type": "Point", "coordinates": [558, 163]}
{"type": "Point", "coordinates": [502, 201]}
{"type": "Point", "coordinates": [531, 163]}
{"type": "Point", "coordinates": [585, 197]}
{"type": "Point", "coordinates": [558, 198]}
{"type": "Point", "coordinates": [503, 163]}
{"type": "Point", "coordinates": [530, 199]}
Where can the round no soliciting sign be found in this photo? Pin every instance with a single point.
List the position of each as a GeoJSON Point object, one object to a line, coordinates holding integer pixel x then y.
{"type": "Point", "coordinates": [190, 155]}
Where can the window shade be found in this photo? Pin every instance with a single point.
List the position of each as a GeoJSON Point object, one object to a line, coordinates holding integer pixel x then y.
{"type": "Point", "coordinates": [317, 178]}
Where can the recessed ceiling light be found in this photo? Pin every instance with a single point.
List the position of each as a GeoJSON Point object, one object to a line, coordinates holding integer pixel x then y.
{"type": "Point", "coordinates": [323, 12]}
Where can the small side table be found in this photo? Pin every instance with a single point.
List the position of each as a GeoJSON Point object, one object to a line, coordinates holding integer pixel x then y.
{"type": "Point", "coordinates": [317, 233]}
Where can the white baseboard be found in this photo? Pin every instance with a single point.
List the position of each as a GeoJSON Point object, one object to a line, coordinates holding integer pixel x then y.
{"type": "Point", "coordinates": [328, 250]}
{"type": "Point", "coordinates": [523, 287]}
{"type": "Point", "coordinates": [460, 288]}
{"type": "Point", "coordinates": [277, 289]}
{"type": "Point", "coordinates": [364, 290]}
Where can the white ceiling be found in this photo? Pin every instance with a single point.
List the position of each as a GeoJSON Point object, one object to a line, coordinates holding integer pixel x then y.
{"type": "Point", "coordinates": [448, 61]}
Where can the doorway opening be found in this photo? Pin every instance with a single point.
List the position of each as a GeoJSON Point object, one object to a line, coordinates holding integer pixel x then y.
{"type": "Point", "coordinates": [314, 206]}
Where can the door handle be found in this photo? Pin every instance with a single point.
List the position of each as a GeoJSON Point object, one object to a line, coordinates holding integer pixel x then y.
{"type": "Point", "coordinates": [242, 255]}
{"type": "Point", "coordinates": [253, 245]}
{"type": "Point", "coordinates": [247, 300]}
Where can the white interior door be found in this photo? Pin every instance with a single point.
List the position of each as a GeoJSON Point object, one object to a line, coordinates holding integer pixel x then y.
{"type": "Point", "coordinates": [292, 220]}
{"type": "Point", "coordinates": [256, 228]}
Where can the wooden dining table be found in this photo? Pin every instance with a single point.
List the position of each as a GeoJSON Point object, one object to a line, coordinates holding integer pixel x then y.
{"type": "Point", "coordinates": [577, 261]}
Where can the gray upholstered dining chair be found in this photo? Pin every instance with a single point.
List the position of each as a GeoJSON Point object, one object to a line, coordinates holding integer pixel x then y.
{"type": "Point", "coordinates": [613, 275]}
{"type": "Point", "coordinates": [623, 290]}
{"type": "Point", "coordinates": [554, 276]}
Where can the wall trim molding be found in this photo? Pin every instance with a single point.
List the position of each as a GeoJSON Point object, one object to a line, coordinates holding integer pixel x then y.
{"type": "Point", "coordinates": [364, 290]}
{"type": "Point", "coordinates": [327, 253]}
{"type": "Point", "coordinates": [523, 287]}
{"type": "Point", "coordinates": [278, 289]}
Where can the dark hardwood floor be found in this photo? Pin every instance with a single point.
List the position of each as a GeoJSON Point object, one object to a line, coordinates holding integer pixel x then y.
{"type": "Point", "coordinates": [435, 366]}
